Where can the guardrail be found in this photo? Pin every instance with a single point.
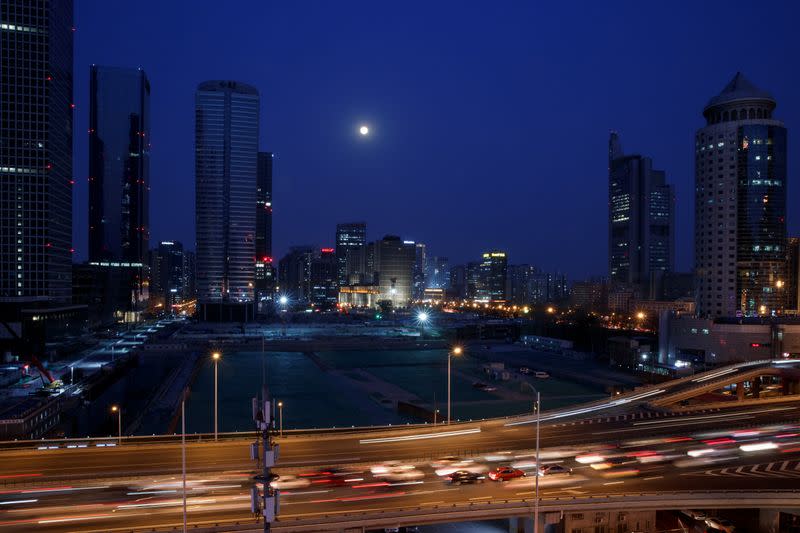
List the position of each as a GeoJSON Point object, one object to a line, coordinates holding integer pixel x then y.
{"type": "Point", "coordinates": [506, 508]}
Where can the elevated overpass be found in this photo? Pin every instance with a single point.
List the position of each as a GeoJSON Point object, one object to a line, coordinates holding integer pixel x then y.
{"type": "Point", "coordinates": [102, 471]}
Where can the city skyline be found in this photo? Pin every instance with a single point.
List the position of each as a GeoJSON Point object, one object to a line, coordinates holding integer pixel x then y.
{"type": "Point", "coordinates": [655, 110]}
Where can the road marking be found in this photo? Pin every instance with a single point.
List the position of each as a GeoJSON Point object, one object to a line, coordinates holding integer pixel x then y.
{"type": "Point", "coordinates": [653, 477]}
{"type": "Point", "coordinates": [783, 466]}
{"type": "Point", "coordinates": [482, 498]}
{"type": "Point", "coordinates": [614, 483]}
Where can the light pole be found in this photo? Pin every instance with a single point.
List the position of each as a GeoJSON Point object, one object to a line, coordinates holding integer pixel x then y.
{"type": "Point", "coordinates": [537, 407]}
{"type": "Point", "coordinates": [280, 419]}
{"type": "Point", "coordinates": [216, 357]}
{"type": "Point", "coordinates": [455, 351]}
{"type": "Point", "coordinates": [118, 410]}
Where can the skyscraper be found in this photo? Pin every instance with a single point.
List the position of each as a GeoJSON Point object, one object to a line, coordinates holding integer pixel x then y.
{"type": "Point", "coordinates": [119, 184]}
{"type": "Point", "coordinates": [420, 271]}
{"type": "Point", "coordinates": [351, 238]}
{"type": "Point", "coordinates": [264, 274]}
{"type": "Point", "coordinates": [36, 152]}
{"type": "Point", "coordinates": [493, 272]}
{"type": "Point", "coordinates": [169, 275]}
{"type": "Point", "coordinates": [641, 222]}
{"type": "Point", "coordinates": [437, 273]}
{"type": "Point", "coordinates": [226, 154]}
{"type": "Point", "coordinates": [740, 204]}
{"type": "Point", "coordinates": [393, 263]}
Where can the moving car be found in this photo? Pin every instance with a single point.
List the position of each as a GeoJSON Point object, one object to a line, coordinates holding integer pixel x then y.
{"type": "Point", "coordinates": [464, 477]}
{"type": "Point", "coordinates": [289, 481]}
{"type": "Point", "coordinates": [505, 473]}
{"type": "Point", "coordinates": [554, 469]}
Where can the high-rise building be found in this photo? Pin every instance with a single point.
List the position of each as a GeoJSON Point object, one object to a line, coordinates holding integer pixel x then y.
{"type": "Point", "coordinates": [740, 204]}
{"type": "Point", "coordinates": [458, 281]}
{"type": "Point", "coordinates": [36, 153]}
{"type": "Point", "coordinates": [473, 278]}
{"type": "Point", "coordinates": [418, 283]}
{"type": "Point", "coordinates": [641, 223]}
{"type": "Point", "coordinates": [323, 278]}
{"type": "Point", "coordinates": [493, 273]}
{"type": "Point", "coordinates": [264, 273]}
{"type": "Point", "coordinates": [119, 184]}
{"type": "Point", "coordinates": [169, 275]}
{"type": "Point", "coordinates": [437, 273]}
{"type": "Point", "coordinates": [351, 238]}
{"type": "Point", "coordinates": [294, 273]}
{"type": "Point", "coordinates": [393, 266]}
{"type": "Point", "coordinates": [226, 164]}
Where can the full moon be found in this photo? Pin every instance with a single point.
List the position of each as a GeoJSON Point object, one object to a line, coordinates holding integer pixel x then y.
{"type": "Point", "coordinates": [363, 130]}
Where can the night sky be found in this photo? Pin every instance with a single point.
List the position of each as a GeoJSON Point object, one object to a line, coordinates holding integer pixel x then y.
{"type": "Point", "coordinates": [489, 120]}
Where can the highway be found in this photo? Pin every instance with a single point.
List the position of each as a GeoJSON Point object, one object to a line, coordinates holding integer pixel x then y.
{"type": "Point", "coordinates": [653, 465]}
{"type": "Point", "coordinates": [86, 485]}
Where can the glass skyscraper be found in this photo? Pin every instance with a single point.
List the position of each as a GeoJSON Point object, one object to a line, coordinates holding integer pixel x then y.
{"type": "Point", "coordinates": [351, 238]}
{"type": "Point", "coordinates": [119, 184]}
{"type": "Point", "coordinates": [226, 154]}
{"type": "Point", "coordinates": [740, 204]}
{"type": "Point", "coordinates": [36, 151]}
{"type": "Point", "coordinates": [265, 280]}
{"type": "Point", "coordinates": [641, 222]}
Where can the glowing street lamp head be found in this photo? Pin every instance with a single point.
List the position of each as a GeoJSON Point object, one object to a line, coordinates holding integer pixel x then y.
{"type": "Point", "coordinates": [114, 408]}
{"type": "Point", "coordinates": [640, 315]}
{"type": "Point", "coordinates": [283, 300]}
{"type": "Point", "coordinates": [280, 404]}
{"type": "Point", "coordinates": [364, 130]}
{"type": "Point", "coordinates": [458, 350]}
{"type": "Point", "coordinates": [216, 356]}
{"type": "Point", "coordinates": [423, 317]}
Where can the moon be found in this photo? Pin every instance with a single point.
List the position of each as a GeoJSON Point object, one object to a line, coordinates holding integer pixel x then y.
{"type": "Point", "coordinates": [363, 130]}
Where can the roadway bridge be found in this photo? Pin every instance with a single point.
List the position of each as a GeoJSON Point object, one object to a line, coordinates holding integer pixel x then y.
{"type": "Point", "coordinates": [106, 485]}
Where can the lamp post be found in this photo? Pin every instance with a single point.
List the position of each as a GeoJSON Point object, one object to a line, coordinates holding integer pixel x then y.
{"type": "Point", "coordinates": [117, 409]}
{"type": "Point", "coordinates": [455, 351]}
{"type": "Point", "coordinates": [537, 407]}
{"type": "Point", "coordinates": [280, 419]}
{"type": "Point", "coordinates": [216, 357]}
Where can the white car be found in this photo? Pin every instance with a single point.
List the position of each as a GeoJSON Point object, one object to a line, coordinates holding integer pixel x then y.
{"type": "Point", "coordinates": [289, 481]}
{"type": "Point", "coordinates": [720, 524]}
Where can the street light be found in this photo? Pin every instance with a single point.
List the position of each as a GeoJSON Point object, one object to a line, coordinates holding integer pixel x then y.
{"type": "Point", "coordinates": [118, 410]}
{"type": "Point", "coordinates": [457, 350]}
{"type": "Point", "coordinates": [537, 407]}
{"type": "Point", "coordinates": [280, 419]}
{"type": "Point", "coordinates": [216, 357]}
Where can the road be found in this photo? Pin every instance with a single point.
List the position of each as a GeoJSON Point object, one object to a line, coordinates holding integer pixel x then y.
{"type": "Point", "coordinates": [223, 497]}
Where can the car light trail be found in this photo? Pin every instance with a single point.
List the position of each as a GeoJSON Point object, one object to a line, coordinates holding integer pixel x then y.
{"type": "Point", "coordinates": [758, 447]}
{"type": "Point", "coordinates": [12, 502]}
{"type": "Point", "coordinates": [421, 437]}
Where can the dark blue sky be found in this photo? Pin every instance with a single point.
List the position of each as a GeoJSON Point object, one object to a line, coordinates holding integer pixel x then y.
{"type": "Point", "coordinates": [490, 120]}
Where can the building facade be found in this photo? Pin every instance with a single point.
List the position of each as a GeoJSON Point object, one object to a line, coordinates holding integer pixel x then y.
{"type": "Point", "coordinates": [393, 266]}
{"type": "Point", "coordinates": [493, 274]}
{"type": "Point", "coordinates": [418, 283]}
{"type": "Point", "coordinates": [351, 239]}
{"type": "Point", "coordinates": [170, 276]}
{"type": "Point", "coordinates": [437, 273]}
{"type": "Point", "coordinates": [264, 272]}
{"type": "Point", "coordinates": [36, 152]}
{"type": "Point", "coordinates": [119, 185]}
{"type": "Point", "coordinates": [793, 274]}
{"type": "Point", "coordinates": [226, 164]}
{"type": "Point", "coordinates": [740, 204]}
{"type": "Point", "coordinates": [641, 220]}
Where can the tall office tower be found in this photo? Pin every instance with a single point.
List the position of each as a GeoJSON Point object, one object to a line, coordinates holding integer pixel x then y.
{"type": "Point", "coordinates": [641, 222]}
{"type": "Point", "coordinates": [264, 273]}
{"type": "Point", "coordinates": [474, 284]}
{"type": "Point", "coordinates": [740, 204]}
{"type": "Point", "coordinates": [169, 279]}
{"type": "Point", "coordinates": [35, 154]}
{"type": "Point", "coordinates": [323, 279]}
{"type": "Point", "coordinates": [119, 184]}
{"type": "Point", "coordinates": [793, 273]}
{"type": "Point", "coordinates": [458, 281]}
{"type": "Point", "coordinates": [393, 263]}
{"type": "Point", "coordinates": [420, 270]}
{"type": "Point", "coordinates": [351, 238]}
{"type": "Point", "coordinates": [437, 273]}
{"type": "Point", "coordinates": [226, 164]}
{"type": "Point", "coordinates": [294, 273]}
{"type": "Point", "coordinates": [493, 273]}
